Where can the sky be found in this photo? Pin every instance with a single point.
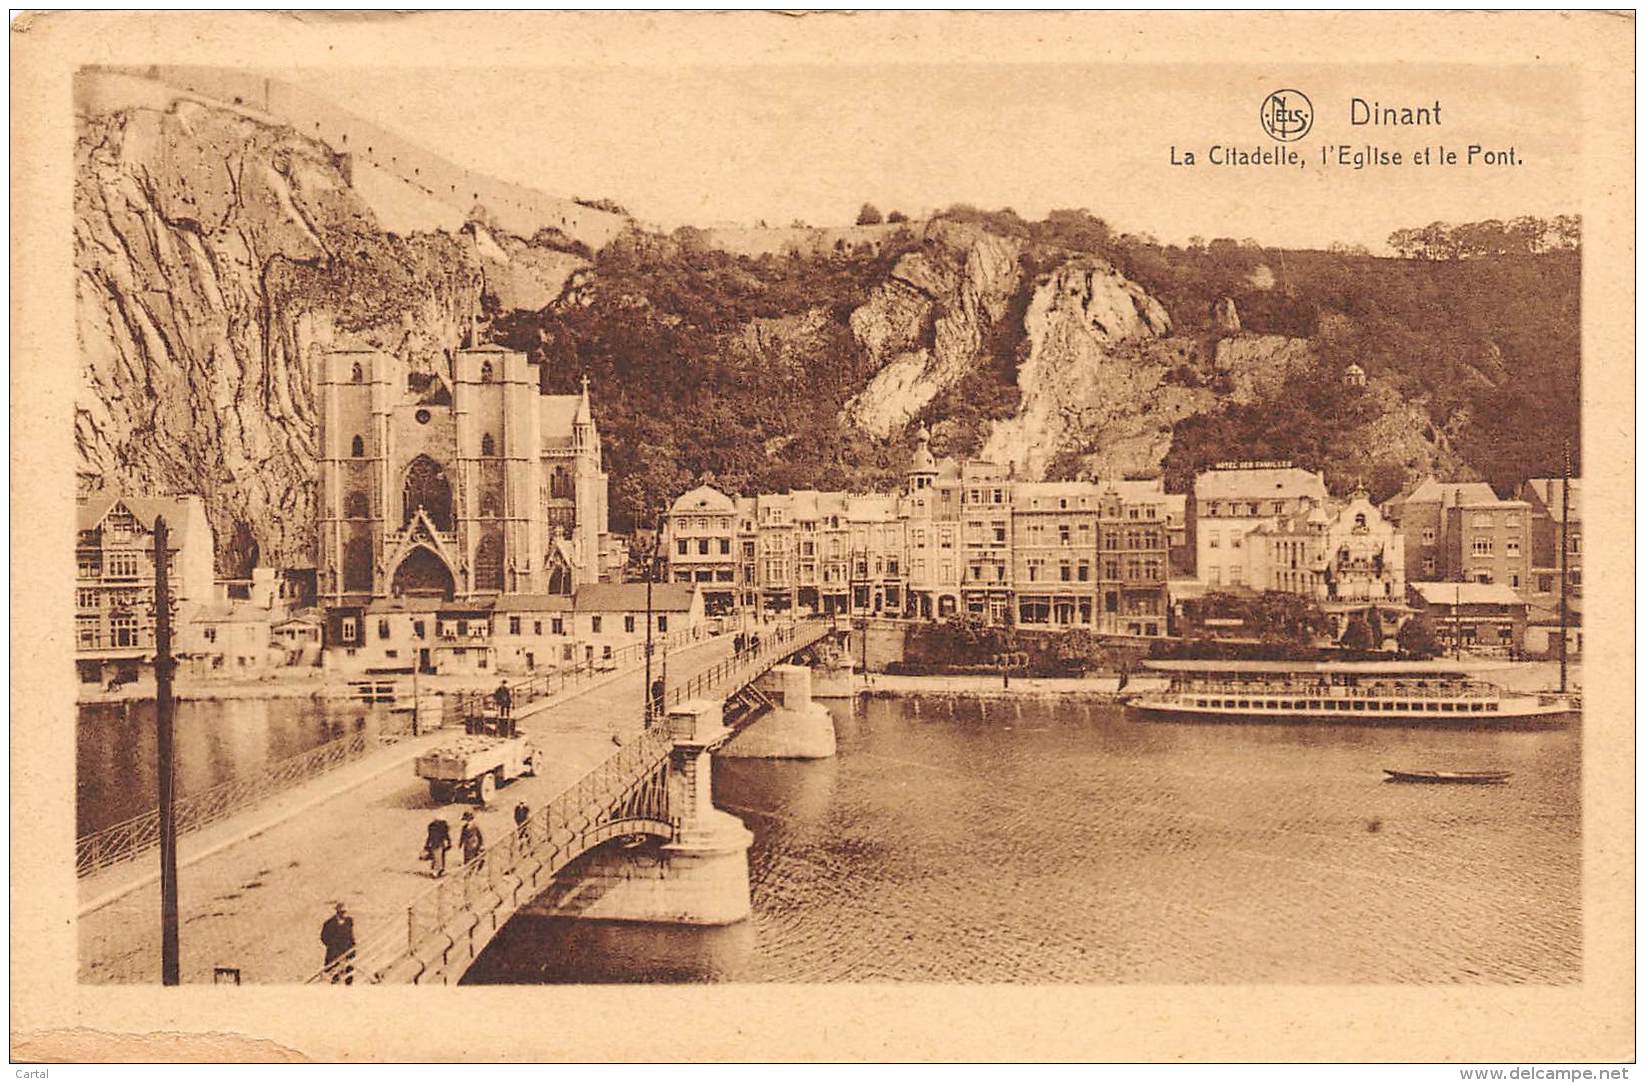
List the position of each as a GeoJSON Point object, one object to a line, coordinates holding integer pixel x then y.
{"type": "Point", "coordinates": [728, 144]}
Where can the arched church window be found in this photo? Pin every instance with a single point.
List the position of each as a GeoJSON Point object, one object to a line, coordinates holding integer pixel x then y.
{"type": "Point", "coordinates": [357, 566]}
{"type": "Point", "coordinates": [488, 564]}
{"type": "Point", "coordinates": [359, 447]}
{"type": "Point", "coordinates": [488, 446]}
{"type": "Point", "coordinates": [359, 506]}
{"type": "Point", "coordinates": [486, 372]}
{"type": "Point", "coordinates": [489, 508]}
{"type": "Point", "coordinates": [359, 375]}
{"type": "Point", "coordinates": [427, 487]}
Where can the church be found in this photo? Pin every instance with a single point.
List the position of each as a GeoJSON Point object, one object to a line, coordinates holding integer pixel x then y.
{"type": "Point", "coordinates": [459, 486]}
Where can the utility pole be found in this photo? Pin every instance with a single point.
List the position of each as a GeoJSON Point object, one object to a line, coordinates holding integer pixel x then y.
{"type": "Point", "coordinates": [650, 574]}
{"type": "Point", "coordinates": [1564, 568]}
{"type": "Point", "coordinates": [1456, 625]}
{"type": "Point", "coordinates": [163, 664]}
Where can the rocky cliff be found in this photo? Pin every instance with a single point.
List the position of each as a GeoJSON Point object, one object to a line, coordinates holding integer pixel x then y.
{"type": "Point", "coordinates": [216, 257]}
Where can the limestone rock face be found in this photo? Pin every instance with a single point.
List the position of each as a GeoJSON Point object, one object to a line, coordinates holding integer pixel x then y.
{"type": "Point", "coordinates": [1224, 317]}
{"type": "Point", "coordinates": [926, 326]}
{"type": "Point", "coordinates": [217, 256]}
{"type": "Point", "coordinates": [1257, 365]}
{"type": "Point", "coordinates": [522, 277]}
{"type": "Point", "coordinates": [1093, 383]}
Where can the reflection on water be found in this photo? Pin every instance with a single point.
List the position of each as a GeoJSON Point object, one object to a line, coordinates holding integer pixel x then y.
{"type": "Point", "coordinates": [1030, 842]}
{"type": "Point", "coordinates": [215, 740]}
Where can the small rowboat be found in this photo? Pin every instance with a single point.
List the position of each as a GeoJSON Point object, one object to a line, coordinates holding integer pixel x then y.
{"type": "Point", "coordinates": [1475, 777]}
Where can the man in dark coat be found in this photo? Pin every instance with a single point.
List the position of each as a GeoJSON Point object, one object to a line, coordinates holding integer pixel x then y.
{"type": "Point", "coordinates": [439, 841]}
{"type": "Point", "coordinates": [337, 934]}
{"type": "Point", "coordinates": [472, 841]}
{"type": "Point", "coordinates": [522, 822]}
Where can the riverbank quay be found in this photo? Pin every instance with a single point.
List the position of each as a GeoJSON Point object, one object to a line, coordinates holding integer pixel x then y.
{"type": "Point", "coordinates": [889, 686]}
{"type": "Point", "coordinates": [256, 902]}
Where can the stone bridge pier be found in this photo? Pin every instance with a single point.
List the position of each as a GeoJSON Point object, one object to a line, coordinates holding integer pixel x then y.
{"type": "Point", "coordinates": [700, 877]}
{"type": "Point", "coordinates": [795, 727]}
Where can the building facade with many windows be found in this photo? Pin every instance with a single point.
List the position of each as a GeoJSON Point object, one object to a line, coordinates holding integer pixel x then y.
{"type": "Point", "coordinates": [1228, 502]}
{"type": "Point", "coordinates": [961, 538]}
{"type": "Point", "coordinates": [115, 563]}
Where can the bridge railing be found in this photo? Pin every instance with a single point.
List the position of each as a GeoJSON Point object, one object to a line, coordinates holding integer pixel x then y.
{"type": "Point", "coordinates": [132, 838]}
{"type": "Point", "coordinates": [627, 785]}
{"type": "Point", "coordinates": [785, 639]}
{"type": "Point", "coordinates": [550, 837]}
{"type": "Point", "coordinates": [523, 691]}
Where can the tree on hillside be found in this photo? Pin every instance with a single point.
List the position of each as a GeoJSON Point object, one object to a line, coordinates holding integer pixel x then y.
{"type": "Point", "coordinates": [869, 215]}
{"type": "Point", "coordinates": [896, 216]}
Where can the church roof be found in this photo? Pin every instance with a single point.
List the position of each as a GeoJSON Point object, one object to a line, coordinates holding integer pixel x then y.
{"type": "Point", "coordinates": [559, 414]}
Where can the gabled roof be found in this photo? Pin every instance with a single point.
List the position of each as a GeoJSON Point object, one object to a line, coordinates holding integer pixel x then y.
{"type": "Point", "coordinates": [703, 498]}
{"type": "Point", "coordinates": [630, 597]}
{"type": "Point", "coordinates": [1260, 483]}
{"type": "Point", "coordinates": [1466, 593]}
{"type": "Point", "coordinates": [176, 509]}
{"type": "Point", "coordinates": [1548, 492]}
{"type": "Point", "coordinates": [1434, 491]}
{"type": "Point", "coordinates": [533, 603]}
{"type": "Point", "coordinates": [230, 613]}
{"type": "Point", "coordinates": [871, 507]}
{"type": "Point", "coordinates": [1138, 490]}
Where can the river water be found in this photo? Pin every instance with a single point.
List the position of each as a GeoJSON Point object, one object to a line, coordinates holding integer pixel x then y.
{"type": "Point", "coordinates": [1021, 841]}
{"type": "Point", "coordinates": [116, 764]}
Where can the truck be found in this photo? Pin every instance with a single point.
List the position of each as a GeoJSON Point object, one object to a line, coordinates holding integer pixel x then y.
{"type": "Point", "coordinates": [491, 752]}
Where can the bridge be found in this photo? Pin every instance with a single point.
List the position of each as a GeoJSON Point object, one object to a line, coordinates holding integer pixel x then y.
{"type": "Point", "coordinates": [256, 905]}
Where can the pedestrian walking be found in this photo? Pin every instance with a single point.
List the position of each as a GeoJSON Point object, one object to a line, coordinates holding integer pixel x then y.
{"type": "Point", "coordinates": [337, 934]}
{"type": "Point", "coordinates": [522, 822]}
{"type": "Point", "coordinates": [473, 842]}
{"type": "Point", "coordinates": [439, 841]}
{"type": "Point", "coordinates": [504, 699]}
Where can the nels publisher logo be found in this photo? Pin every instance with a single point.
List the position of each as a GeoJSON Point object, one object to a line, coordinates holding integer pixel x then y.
{"type": "Point", "coordinates": [1287, 115]}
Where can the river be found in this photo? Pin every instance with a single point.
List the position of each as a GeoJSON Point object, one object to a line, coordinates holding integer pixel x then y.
{"type": "Point", "coordinates": [116, 765]}
{"type": "Point", "coordinates": [1027, 841]}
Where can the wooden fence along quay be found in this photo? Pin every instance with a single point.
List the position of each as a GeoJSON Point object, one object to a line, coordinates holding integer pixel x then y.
{"type": "Point", "coordinates": [132, 838]}
{"type": "Point", "coordinates": [625, 795]}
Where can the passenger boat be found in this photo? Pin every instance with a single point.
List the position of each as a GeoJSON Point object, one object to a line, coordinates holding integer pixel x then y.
{"type": "Point", "coordinates": [1444, 693]}
{"type": "Point", "coordinates": [1474, 777]}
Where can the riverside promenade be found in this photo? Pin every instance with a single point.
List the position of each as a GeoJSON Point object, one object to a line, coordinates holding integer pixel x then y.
{"type": "Point", "coordinates": [254, 889]}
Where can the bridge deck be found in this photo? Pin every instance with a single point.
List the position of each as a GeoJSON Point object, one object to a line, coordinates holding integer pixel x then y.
{"type": "Point", "coordinates": [258, 904]}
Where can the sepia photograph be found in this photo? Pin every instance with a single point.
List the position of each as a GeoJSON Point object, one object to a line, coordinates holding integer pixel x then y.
{"type": "Point", "coordinates": [600, 521]}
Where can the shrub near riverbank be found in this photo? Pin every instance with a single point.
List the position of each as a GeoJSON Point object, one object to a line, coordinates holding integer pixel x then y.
{"type": "Point", "coordinates": [966, 645]}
